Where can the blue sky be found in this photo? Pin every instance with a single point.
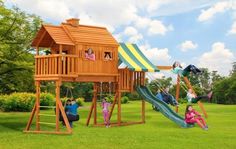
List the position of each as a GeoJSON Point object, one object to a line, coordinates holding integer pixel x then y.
{"type": "Point", "coordinates": [199, 32]}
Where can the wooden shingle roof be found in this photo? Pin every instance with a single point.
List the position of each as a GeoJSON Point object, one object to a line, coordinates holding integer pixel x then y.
{"type": "Point", "coordinates": [68, 34]}
{"type": "Point", "coordinates": [90, 34]}
{"type": "Point", "coordinates": [56, 33]}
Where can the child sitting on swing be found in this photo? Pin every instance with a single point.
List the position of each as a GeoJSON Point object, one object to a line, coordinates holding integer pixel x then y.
{"type": "Point", "coordinates": [192, 116]}
{"type": "Point", "coordinates": [192, 98]}
{"type": "Point", "coordinates": [177, 69]}
{"type": "Point", "coordinates": [105, 110]}
{"type": "Point", "coordinates": [165, 96]}
{"type": "Point", "coordinates": [71, 111]}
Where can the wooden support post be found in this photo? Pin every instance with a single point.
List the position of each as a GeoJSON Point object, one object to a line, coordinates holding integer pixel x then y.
{"type": "Point", "coordinates": [60, 49]}
{"type": "Point", "coordinates": [37, 83]}
{"type": "Point", "coordinates": [60, 60]}
{"type": "Point", "coordinates": [95, 110]}
{"type": "Point", "coordinates": [143, 111]}
{"type": "Point", "coordinates": [58, 84]}
{"type": "Point", "coordinates": [62, 110]}
{"type": "Point", "coordinates": [113, 105]}
{"type": "Point", "coordinates": [199, 103]}
{"type": "Point", "coordinates": [37, 50]}
{"type": "Point", "coordinates": [177, 92]}
{"type": "Point", "coordinates": [131, 81]}
{"type": "Point", "coordinates": [143, 101]}
{"type": "Point", "coordinates": [31, 118]}
{"type": "Point", "coordinates": [93, 101]}
{"type": "Point", "coordinates": [118, 104]}
{"type": "Point", "coordinates": [119, 108]}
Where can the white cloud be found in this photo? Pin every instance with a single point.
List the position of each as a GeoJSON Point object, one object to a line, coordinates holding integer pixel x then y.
{"type": "Point", "coordinates": [111, 14]}
{"type": "Point", "coordinates": [118, 37]}
{"type": "Point", "coordinates": [188, 45]}
{"type": "Point", "coordinates": [219, 59]}
{"type": "Point", "coordinates": [133, 34]}
{"type": "Point", "coordinates": [157, 27]}
{"type": "Point", "coordinates": [219, 7]}
{"type": "Point", "coordinates": [233, 28]}
{"type": "Point", "coordinates": [48, 10]}
{"type": "Point", "coordinates": [155, 55]}
{"type": "Point", "coordinates": [86, 19]}
{"type": "Point", "coordinates": [130, 34]}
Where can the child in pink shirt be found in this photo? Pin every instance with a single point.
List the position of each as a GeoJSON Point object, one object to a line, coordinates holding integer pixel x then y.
{"type": "Point", "coordinates": [90, 55]}
{"type": "Point", "coordinates": [192, 116]}
{"type": "Point", "coordinates": [105, 111]}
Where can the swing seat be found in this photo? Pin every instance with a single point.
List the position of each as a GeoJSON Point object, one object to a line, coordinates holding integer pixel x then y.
{"type": "Point", "coordinates": [70, 117]}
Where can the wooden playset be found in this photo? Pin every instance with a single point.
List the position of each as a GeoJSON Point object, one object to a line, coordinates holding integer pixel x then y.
{"type": "Point", "coordinates": [68, 44]}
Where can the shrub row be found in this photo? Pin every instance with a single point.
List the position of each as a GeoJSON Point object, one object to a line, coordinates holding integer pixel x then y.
{"type": "Point", "coordinates": [24, 101]}
{"type": "Point", "coordinates": [124, 99]}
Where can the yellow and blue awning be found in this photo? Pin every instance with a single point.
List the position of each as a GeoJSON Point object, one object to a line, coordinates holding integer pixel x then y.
{"type": "Point", "coordinates": [135, 60]}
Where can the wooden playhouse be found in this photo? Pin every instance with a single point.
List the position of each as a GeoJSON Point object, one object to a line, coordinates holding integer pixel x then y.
{"type": "Point", "coordinates": [66, 62]}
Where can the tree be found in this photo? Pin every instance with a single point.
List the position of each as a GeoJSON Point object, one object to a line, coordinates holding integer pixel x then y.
{"type": "Point", "coordinates": [215, 77]}
{"type": "Point", "coordinates": [158, 84]}
{"type": "Point", "coordinates": [233, 71]}
{"type": "Point", "coordinates": [224, 90]}
{"type": "Point", "coordinates": [17, 30]}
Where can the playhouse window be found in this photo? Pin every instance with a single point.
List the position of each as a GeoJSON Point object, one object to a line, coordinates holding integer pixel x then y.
{"type": "Point", "coordinates": [89, 54]}
{"type": "Point", "coordinates": [107, 56]}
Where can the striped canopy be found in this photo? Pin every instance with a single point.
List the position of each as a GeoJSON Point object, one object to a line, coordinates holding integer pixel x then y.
{"type": "Point", "coordinates": [135, 60]}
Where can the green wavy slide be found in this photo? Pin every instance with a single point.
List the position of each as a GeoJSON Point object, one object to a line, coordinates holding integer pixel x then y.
{"type": "Point", "coordinates": [162, 106]}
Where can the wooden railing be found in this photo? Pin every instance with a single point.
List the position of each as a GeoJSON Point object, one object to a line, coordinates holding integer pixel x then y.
{"type": "Point", "coordinates": [125, 79]}
{"type": "Point", "coordinates": [130, 79]}
{"type": "Point", "coordinates": [139, 78]}
{"type": "Point", "coordinates": [56, 64]}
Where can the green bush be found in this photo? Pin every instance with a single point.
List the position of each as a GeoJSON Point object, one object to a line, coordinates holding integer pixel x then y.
{"type": "Point", "coordinates": [224, 91]}
{"type": "Point", "coordinates": [124, 99]}
{"type": "Point", "coordinates": [47, 99]}
{"type": "Point", "coordinates": [80, 101]}
{"type": "Point", "coordinates": [63, 100]}
{"type": "Point", "coordinates": [24, 101]}
{"type": "Point", "coordinates": [110, 98]}
{"type": "Point", "coordinates": [182, 100]}
{"type": "Point", "coordinates": [133, 96]}
{"type": "Point", "coordinates": [2, 101]}
{"type": "Point", "coordinates": [17, 102]}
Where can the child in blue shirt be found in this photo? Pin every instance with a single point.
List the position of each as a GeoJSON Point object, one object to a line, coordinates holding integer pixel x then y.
{"type": "Point", "coordinates": [72, 112]}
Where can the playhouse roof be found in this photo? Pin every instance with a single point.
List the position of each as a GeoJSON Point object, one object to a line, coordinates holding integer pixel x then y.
{"type": "Point", "coordinates": [71, 33]}
{"type": "Point", "coordinates": [135, 60]}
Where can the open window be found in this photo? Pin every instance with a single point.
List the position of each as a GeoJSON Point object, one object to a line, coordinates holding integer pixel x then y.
{"type": "Point", "coordinates": [107, 55]}
{"type": "Point", "coordinates": [89, 54]}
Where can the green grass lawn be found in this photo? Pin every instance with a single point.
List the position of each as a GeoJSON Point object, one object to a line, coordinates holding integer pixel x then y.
{"type": "Point", "coordinates": [157, 132]}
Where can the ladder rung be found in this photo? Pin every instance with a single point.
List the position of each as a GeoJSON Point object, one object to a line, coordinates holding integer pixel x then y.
{"type": "Point", "coordinates": [47, 106]}
{"type": "Point", "coordinates": [46, 123]}
{"type": "Point", "coordinates": [47, 115]}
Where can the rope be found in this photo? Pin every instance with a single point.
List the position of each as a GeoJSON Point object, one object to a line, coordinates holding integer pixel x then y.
{"type": "Point", "coordinates": [67, 91]}
{"type": "Point", "coordinates": [157, 83]}
{"type": "Point", "coordinates": [183, 86]}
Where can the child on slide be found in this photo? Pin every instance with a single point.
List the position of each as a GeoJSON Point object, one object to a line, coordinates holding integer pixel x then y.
{"type": "Point", "coordinates": [167, 97]}
{"type": "Point", "coordinates": [192, 98]}
{"type": "Point", "coordinates": [105, 111]}
{"type": "Point", "coordinates": [177, 69]}
{"type": "Point", "coordinates": [192, 116]}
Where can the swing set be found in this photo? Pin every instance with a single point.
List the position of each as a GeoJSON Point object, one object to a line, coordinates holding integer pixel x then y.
{"type": "Point", "coordinates": [67, 62]}
{"type": "Point", "coordinates": [185, 87]}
